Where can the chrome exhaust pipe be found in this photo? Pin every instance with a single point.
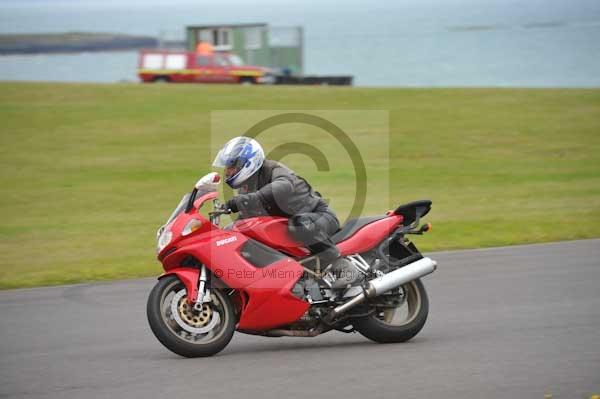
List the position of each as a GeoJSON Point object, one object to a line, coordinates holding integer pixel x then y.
{"type": "Point", "coordinates": [385, 283]}
{"type": "Point", "coordinates": [400, 276]}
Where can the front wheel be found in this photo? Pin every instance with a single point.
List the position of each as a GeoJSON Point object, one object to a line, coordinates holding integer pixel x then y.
{"type": "Point", "coordinates": [399, 315]}
{"type": "Point", "coordinates": [187, 331]}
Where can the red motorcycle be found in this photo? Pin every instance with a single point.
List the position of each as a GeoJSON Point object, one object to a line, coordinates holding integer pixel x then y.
{"type": "Point", "coordinates": [251, 276]}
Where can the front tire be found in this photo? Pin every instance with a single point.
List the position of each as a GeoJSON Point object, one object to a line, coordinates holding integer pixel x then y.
{"type": "Point", "coordinates": [402, 318]}
{"type": "Point", "coordinates": [184, 330]}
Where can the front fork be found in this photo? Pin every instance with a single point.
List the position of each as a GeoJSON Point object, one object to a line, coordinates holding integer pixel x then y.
{"type": "Point", "coordinates": [194, 281]}
{"type": "Point", "coordinates": [203, 292]}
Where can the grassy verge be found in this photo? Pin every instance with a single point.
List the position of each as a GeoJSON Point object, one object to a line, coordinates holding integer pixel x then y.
{"type": "Point", "coordinates": [88, 172]}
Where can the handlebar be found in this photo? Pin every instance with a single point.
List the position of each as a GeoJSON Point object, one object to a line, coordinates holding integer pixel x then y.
{"type": "Point", "coordinates": [220, 212]}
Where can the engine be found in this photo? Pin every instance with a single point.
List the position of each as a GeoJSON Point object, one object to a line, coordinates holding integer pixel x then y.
{"type": "Point", "coordinates": [308, 289]}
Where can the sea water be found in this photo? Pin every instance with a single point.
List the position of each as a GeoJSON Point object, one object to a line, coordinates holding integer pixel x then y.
{"type": "Point", "coordinates": [416, 43]}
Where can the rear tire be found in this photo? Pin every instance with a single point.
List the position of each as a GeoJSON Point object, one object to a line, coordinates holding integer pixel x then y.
{"type": "Point", "coordinates": [169, 331]}
{"type": "Point", "coordinates": [247, 81]}
{"type": "Point", "coordinates": [161, 79]}
{"type": "Point", "coordinates": [376, 328]}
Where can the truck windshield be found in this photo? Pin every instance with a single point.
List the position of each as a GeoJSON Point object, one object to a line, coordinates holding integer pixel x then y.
{"type": "Point", "coordinates": [235, 60]}
{"type": "Point", "coordinates": [203, 60]}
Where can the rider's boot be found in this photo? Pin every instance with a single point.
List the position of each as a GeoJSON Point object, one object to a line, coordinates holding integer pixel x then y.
{"type": "Point", "coordinates": [346, 273]}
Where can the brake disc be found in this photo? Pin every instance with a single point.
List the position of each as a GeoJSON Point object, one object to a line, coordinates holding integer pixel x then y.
{"type": "Point", "coordinates": [191, 320]}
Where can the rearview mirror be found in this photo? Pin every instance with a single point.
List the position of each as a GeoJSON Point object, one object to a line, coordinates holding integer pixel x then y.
{"type": "Point", "coordinates": [208, 182]}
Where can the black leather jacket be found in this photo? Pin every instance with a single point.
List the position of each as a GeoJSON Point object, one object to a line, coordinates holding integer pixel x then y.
{"type": "Point", "coordinates": [276, 190]}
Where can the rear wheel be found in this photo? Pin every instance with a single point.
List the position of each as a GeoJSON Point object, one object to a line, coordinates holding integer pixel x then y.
{"type": "Point", "coordinates": [247, 80]}
{"type": "Point", "coordinates": [161, 79]}
{"type": "Point", "coordinates": [399, 316]}
{"type": "Point", "coordinates": [185, 330]}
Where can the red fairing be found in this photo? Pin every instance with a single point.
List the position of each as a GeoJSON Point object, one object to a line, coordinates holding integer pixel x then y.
{"type": "Point", "coordinates": [206, 197]}
{"type": "Point", "coordinates": [369, 236]}
{"type": "Point", "coordinates": [273, 232]}
{"type": "Point", "coordinates": [189, 278]}
{"type": "Point", "coordinates": [220, 251]}
{"type": "Point", "coordinates": [269, 300]}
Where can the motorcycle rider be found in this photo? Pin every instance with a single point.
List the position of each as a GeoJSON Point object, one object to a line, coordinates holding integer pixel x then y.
{"type": "Point", "coordinates": [266, 187]}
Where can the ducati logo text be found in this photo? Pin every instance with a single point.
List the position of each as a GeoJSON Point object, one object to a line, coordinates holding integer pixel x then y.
{"type": "Point", "coordinates": [226, 241]}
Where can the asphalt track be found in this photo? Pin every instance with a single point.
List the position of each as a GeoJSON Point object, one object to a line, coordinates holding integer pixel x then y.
{"type": "Point", "coordinates": [514, 322]}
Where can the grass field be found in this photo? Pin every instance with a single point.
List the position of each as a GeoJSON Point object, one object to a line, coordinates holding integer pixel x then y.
{"type": "Point", "coordinates": [88, 172]}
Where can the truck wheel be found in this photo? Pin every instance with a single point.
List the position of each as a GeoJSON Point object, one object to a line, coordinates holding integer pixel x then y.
{"type": "Point", "coordinates": [247, 81]}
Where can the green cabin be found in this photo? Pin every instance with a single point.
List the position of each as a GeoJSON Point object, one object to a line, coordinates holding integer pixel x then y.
{"type": "Point", "coordinates": [257, 44]}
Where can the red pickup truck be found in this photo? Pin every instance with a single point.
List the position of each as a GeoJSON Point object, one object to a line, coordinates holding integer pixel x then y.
{"type": "Point", "coordinates": [189, 67]}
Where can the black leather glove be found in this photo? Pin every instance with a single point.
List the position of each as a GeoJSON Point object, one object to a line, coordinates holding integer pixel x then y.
{"type": "Point", "coordinates": [231, 204]}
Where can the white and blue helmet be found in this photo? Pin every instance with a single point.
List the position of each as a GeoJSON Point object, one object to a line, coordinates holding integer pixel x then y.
{"type": "Point", "coordinates": [242, 153]}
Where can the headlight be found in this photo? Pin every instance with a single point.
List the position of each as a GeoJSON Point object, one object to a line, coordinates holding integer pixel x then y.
{"type": "Point", "coordinates": [192, 226]}
{"type": "Point", "coordinates": [164, 240]}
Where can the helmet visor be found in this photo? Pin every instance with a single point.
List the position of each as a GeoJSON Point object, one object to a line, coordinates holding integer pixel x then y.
{"type": "Point", "coordinates": [220, 160]}
{"type": "Point", "coordinates": [229, 156]}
